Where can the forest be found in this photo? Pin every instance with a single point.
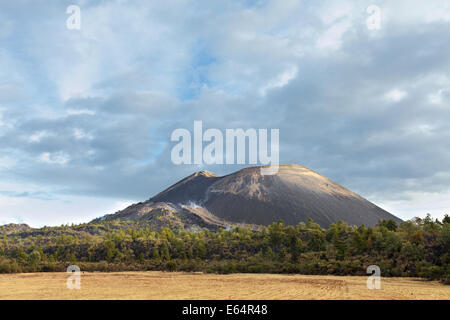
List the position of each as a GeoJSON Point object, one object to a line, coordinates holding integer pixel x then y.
{"type": "Point", "coordinates": [415, 248]}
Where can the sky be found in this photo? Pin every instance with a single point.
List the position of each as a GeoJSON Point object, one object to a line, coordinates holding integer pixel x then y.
{"type": "Point", "coordinates": [86, 114]}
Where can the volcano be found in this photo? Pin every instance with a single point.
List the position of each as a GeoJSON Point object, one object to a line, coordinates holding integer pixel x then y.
{"type": "Point", "coordinates": [295, 194]}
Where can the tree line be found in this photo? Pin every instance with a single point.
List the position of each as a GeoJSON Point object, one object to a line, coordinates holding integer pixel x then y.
{"type": "Point", "coordinates": [415, 248]}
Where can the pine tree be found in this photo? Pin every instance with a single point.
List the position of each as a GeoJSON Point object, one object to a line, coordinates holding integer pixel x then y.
{"type": "Point", "coordinates": [165, 255]}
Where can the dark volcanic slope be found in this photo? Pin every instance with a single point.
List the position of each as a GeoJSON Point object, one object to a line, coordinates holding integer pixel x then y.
{"type": "Point", "coordinates": [190, 189]}
{"type": "Point", "coordinates": [293, 195]}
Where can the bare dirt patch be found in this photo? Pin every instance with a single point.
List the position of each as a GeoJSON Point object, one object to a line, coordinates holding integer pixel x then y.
{"type": "Point", "coordinates": [164, 285]}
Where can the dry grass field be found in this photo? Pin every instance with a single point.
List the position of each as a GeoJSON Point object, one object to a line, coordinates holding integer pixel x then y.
{"type": "Point", "coordinates": [163, 285]}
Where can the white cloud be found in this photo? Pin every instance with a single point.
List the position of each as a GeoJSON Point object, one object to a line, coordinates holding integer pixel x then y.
{"type": "Point", "coordinates": [281, 80]}
{"type": "Point", "coordinates": [396, 95]}
{"type": "Point", "coordinates": [59, 158]}
{"type": "Point", "coordinates": [332, 38]}
{"type": "Point", "coordinates": [72, 112]}
{"type": "Point", "coordinates": [79, 134]}
{"type": "Point", "coordinates": [420, 204]}
{"type": "Point", "coordinates": [417, 12]}
{"type": "Point", "coordinates": [437, 97]}
{"type": "Point", "coordinates": [334, 11]}
{"type": "Point", "coordinates": [37, 137]}
{"type": "Point", "coordinates": [65, 210]}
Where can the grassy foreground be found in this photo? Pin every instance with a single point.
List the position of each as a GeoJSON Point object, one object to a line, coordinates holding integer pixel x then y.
{"type": "Point", "coordinates": [177, 285]}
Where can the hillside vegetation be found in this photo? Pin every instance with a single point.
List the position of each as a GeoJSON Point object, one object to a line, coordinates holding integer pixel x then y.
{"type": "Point", "coordinates": [420, 247]}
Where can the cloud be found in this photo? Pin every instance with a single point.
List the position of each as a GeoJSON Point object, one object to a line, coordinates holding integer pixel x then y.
{"type": "Point", "coordinates": [59, 158]}
{"type": "Point", "coordinates": [39, 212]}
{"type": "Point", "coordinates": [396, 95]}
{"type": "Point", "coordinates": [89, 113]}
